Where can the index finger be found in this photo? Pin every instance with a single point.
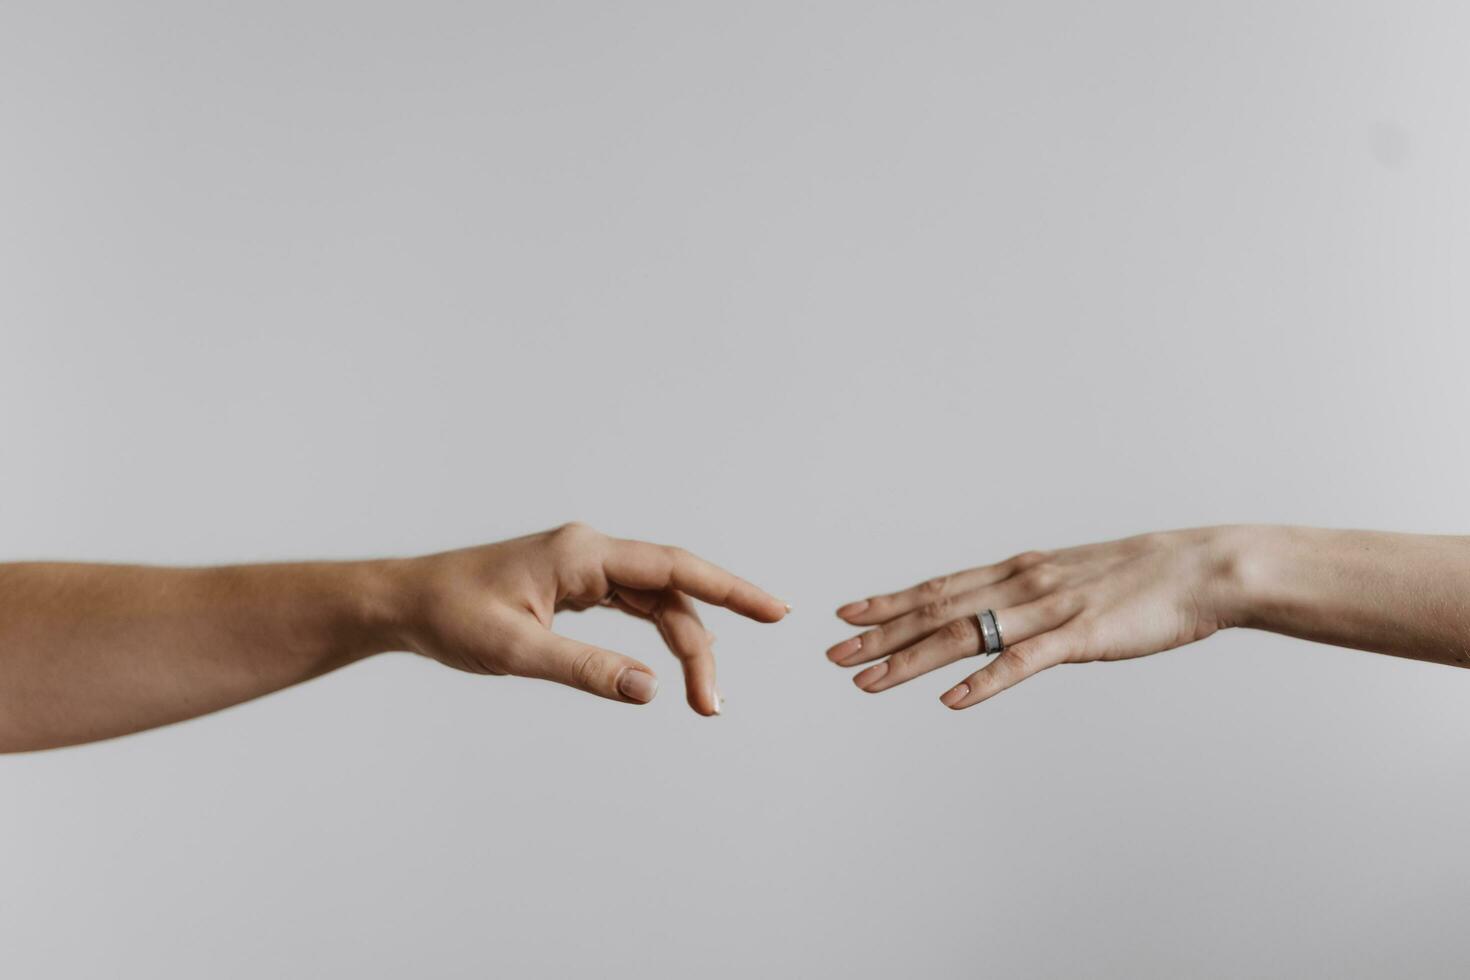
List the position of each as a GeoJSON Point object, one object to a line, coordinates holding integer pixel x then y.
{"type": "Point", "coordinates": [882, 608]}
{"type": "Point", "coordinates": [641, 565]}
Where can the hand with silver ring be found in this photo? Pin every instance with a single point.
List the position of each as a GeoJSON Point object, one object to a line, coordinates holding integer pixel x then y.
{"type": "Point", "coordinates": [1397, 594]}
{"type": "Point", "coordinates": [1108, 601]}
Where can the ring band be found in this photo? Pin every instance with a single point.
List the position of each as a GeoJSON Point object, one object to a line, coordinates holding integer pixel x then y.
{"type": "Point", "coordinates": [986, 621]}
{"type": "Point", "coordinates": [992, 641]}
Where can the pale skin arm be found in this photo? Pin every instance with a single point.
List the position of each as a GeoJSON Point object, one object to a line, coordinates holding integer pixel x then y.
{"type": "Point", "coordinates": [94, 651]}
{"type": "Point", "coordinates": [1407, 595]}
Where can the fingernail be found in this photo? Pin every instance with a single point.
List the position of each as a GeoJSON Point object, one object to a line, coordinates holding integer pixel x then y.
{"type": "Point", "coordinates": [845, 649]}
{"type": "Point", "coordinates": [718, 701]}
{"type": "Point", "coordinates": [871, 676]}
{"type": "Point", "coordinates": [954, 695]}
{"type": "Point", "coordinates": [787, 605]}
{"type": "Point", "coordinates": [852, 608]}
{"type": "Point", "coordinates": [637, 685]}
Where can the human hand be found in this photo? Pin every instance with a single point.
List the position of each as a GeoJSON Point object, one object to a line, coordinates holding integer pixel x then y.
{"type": "Point", "coordinates": [1108, 601]}
{"type": "Point", "coordinates": [489, 609]}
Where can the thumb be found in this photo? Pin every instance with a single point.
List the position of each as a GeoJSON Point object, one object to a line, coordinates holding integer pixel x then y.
{"type": "Point", "coordinates": [593, 669]}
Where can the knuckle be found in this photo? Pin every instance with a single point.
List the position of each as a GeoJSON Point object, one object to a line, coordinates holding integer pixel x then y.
{"type": "Point", "coordinates": [935, 586]}
{"type": "Point", "coordinates": [1059, 604]}
{"type": "Point", "coordinates": [959, 632]}
{"type": "Point", "coordinates": [937, 611]}
{"type": "Point", "coordinates": [1035, 655]}
{"type": "Point", "coordinates": [670, 557]}
{"type": "Point", "coordinates": [1029, 559]}
{"type": "Point", "coordinates": [1041, 578]}
{"type": "Point", "coordinates": [900, 665]}
{"type": "Point", "coordinates": [572, 535]}
{"type": "Point", "coordinates": [1025, 658]}
{"type": "Point", "coordinates": [584, 669]}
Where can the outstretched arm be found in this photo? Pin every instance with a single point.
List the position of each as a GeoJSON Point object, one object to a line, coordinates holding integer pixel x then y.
{"type": "Point", "coordinates": [93, 651]}
{"type": "Point", "coordinates": [1402, 594]}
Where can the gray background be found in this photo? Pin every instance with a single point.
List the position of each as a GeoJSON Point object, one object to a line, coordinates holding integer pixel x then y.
{"type": "Point", "coordinates": [839, 295]}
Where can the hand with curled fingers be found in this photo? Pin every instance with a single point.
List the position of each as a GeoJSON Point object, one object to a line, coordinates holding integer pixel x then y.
{"type": "Point", "coordinates": [489, 609]}
{"type": "Point", "coordinates": [1109, 601]}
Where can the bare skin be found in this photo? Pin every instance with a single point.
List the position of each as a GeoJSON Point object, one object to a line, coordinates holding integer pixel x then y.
{"type": "Point", "coordinates": [1400, 594]}
{"type": "Point", "coordinates": [94, 651]}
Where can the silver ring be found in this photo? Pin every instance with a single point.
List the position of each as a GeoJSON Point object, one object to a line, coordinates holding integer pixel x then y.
{"type": "Point", "coordinates": [990, 635]}
{"type": "Point", "coordinates": [986, 621]}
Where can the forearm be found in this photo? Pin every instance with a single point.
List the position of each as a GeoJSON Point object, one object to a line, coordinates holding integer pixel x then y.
{"type": "Point", "coordinates": [1402, 594]}
{"type": "Point", "coordinates": [94, 651]}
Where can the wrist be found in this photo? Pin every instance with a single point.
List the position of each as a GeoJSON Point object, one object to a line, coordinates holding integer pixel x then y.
{"type": "Point", "coordinates": [1241, 572]}
{"type": "Point", "coordinates": [383, 599]}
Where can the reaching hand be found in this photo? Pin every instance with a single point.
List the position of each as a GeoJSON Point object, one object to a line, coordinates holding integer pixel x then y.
{"type": "Point", "coordinates": [1108, 601]}
{"type": "Point", "coordinates": [489, 609]}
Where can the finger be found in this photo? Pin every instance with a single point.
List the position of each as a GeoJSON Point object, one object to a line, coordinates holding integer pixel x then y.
{"type": "Point", "coordinates": [679, 624]}
{"type": "Point", "coordinates": [1012, 667]}
{"type": "Point", "coordinates": [588, 668]}
{"type": "Point", "coordinates": [642, 603]}
{"type": "Point", "coordinates": [881, 608]}
{"type": "Point", "coordinates": [889, 637]}
{"type": "Point", "coordinates": [654, 566]}
{"type": "Point", "coordinates": [961, 638]}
